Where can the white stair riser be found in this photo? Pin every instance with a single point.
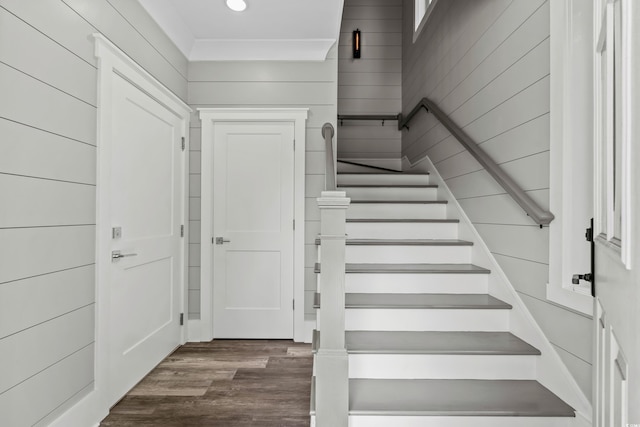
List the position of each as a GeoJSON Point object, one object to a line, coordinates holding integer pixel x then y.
{"type": "Point", "coordinates": [445, 366]}
{"type": "Point", "coordinates": [373, 319]}
{"type": "Point", "coordinates": [426, 421]}
{"type": "Point", "coordinates": [407, 254]}
{"type": "Point", "coordinates": [357, 283]}
{"type": "Point", "coordinates": [397, 211]}
{"type": "Point", "coordinates": [402, 230]}
{"type": "Point", "coordinates": [394, 165]}
{"type": "Point", "coordinates": [345, 179]}
{"type": "Point", "coordinates": [390, 193]}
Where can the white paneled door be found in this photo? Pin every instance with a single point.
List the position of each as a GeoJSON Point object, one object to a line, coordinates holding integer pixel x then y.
{"type": "Point", "coordinates": [253, 211]}
{"type": "Point", "coordinates": [145, 198]}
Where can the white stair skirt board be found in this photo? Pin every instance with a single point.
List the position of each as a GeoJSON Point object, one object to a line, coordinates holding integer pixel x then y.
{"type": "Point", "coordinates": [442, 366]}
{"type": "Point", "coordinates": [346, 179]}
{"type": "Point", "coordinates": [391, 193]}
{"type": "Point", "coordinates": [397, 210]}
{"type": "Point", "coordinates": [372, 229]}
{"type": "Point", "coordinates": [417, 283]}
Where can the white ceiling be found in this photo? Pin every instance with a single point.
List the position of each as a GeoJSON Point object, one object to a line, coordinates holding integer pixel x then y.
{"type": "Point", "coordinates": [206, 30]}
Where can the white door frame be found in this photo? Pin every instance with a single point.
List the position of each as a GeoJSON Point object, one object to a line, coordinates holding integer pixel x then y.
{"type": "Point", "coordinates": [112, 63]}
{"type": "Point", "coordinates": [209, 116]}
{"type": "Point", "coordinates": [571, 189]}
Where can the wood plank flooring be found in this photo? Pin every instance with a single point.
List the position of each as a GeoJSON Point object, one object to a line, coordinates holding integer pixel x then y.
{"type": "Point", "coordinates": [225, 383]}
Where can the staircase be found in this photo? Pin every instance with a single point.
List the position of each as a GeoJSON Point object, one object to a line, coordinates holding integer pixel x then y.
{"type": "Point", "coordinates": [427, 345]}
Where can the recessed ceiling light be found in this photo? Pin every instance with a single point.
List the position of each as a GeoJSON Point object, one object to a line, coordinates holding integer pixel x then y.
{"type": "Point", "coordinates": [236, 5]}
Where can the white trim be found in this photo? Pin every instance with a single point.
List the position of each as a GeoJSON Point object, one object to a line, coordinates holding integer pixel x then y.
{"type": "Point", "coordinates": [420, 23]}
{"type": "Point", "coordinates": [627, 133]}
{"type": "Point", "coordinates": [570, 193]}
{"type": "Point", "coordinates": [298, 117]}
{"type": "Point", "coordinates": [622, 247]}
{"type": "Point", "coordinates": [194, 330]}
{"type": "Point", "coordinates": [551, 371]}
{"type": "Point", "coordinates": [111, 61]}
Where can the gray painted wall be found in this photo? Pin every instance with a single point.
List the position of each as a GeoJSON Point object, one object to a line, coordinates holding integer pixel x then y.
{"type": "Point", "coordinates": [371, 84]}
{"type": "Point", "coordinates": [486, 64]}
{"type": "Point", "coordinates": [48, 84]}
{"type": "Point", "coordinates": [264, 84]}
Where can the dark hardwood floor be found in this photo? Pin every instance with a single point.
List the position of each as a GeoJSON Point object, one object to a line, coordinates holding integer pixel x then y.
{"type": "Point", "coordinates": [225, 383]}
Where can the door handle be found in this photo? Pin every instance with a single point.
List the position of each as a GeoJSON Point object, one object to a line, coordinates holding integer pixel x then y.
{"type": "Point", "coordinates": [222, 240]}
{"type": "Point", "coordinates": [116, 255]}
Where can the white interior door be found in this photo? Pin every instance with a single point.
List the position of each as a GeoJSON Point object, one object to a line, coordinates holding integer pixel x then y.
{"type": "Point", "coordinates": [253, 208]}
{"type": "Point", "coordinates": [146, 193]}
{"type": "Point", "coordinates": [617, 278]}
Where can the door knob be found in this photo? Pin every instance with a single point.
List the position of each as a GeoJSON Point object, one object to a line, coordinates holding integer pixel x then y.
{"type": "Point", "coordinates": [116, 255]}
{"type": "Point", "coordinates": [222, 240]}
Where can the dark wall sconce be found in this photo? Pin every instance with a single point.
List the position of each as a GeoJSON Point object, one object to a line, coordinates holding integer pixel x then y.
{"type": "Point", "coordinates": [356, 43]}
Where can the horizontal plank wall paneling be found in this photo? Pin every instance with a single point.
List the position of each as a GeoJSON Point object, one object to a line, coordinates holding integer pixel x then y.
{"type": "Point", "coordinates": [48, 81]}
{"type": "Point", "coordinates": [486, 65]}
{"type": "Point", "coordinates": [265, 84]}
{"type": "Point", "coordinates": [372, 83]}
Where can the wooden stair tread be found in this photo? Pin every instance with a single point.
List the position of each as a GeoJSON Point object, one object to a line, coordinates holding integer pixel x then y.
{"type": "Point", "coordinates": [401, 202]}
{"type": "Point", "coordinates": [433, 343]}
{"type": "Point", "coordinates": [421, 301]}
{"type": "Point", "coordinates": [387, 186]}
{"type": "Point", "coordinates": [430, 301]}
{"type": "Point", "coordinates": [430, 342]}
{"type": "Point", "coordinates": [435, 397]}
{"type": "Point", "coordinates": [412, 268]}
{"type": "Point", "coordinates": [387, 221]}
{"type": "Point", "coordinates": [405, 242]}
{"type": "Point", "coordinates": [389, 173]}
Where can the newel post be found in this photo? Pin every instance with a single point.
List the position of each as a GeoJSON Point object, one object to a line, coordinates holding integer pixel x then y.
{"type": "Point", "coordinates": [332, 374]}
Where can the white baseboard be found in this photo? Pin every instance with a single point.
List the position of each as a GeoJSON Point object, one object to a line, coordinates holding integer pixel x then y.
{"type": "Point", "coordinates": [87, 412]}
{"type": "Point", "coordinates": [583, 421]}
{"type": "Point", "coordinates": [309, 326]}
{"type": "Point", "coordinates": [194, 330]}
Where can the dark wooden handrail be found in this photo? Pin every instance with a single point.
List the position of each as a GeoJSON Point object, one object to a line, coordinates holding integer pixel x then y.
{"type": "Point", "coordinates": [539, 215]}
{"type": "Point", "coordinates": [373, 117]}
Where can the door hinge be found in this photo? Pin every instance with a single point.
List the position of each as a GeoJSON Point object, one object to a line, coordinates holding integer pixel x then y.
{"type": "Point", "coordinates": [183, 144]}
{"type": "Point", "coordinates": [182, 231]}
{"type": "Point", "coordinates": [294, 304]}
{"type": "Point", "coordinates": [294, 224]}
{"type": "Point", "coordinates": [294, 145]}
{"type": "Point", "coordinates": [181, 319]}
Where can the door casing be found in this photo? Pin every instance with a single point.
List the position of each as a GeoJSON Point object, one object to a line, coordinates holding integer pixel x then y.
{"type": "Point", "coordinates": [209, 117]}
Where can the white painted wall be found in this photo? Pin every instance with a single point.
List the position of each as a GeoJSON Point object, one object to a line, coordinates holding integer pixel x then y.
{"type": "Point", "coordinates": [487, 65]}
{"type": "Point", "coordinates": [48, 83]}
{"type": "Point", "coordinates": [372, 83]}
{"type": "Point", "coordinates": [265, 84]}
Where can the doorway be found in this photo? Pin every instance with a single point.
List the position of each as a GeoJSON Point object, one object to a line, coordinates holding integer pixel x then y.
{"type": "Point", "coordinates": [252, 223]}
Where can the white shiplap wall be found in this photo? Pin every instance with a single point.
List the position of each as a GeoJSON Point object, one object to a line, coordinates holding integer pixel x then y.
{"type": "Point", "coordinates": [48, 82]}
{"type": "Point", "coordinates": [264, 84]}
{"type": "Point", "coordinates": [372, 83]}
{"type": "Point", "coordinates": [486, 64]}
